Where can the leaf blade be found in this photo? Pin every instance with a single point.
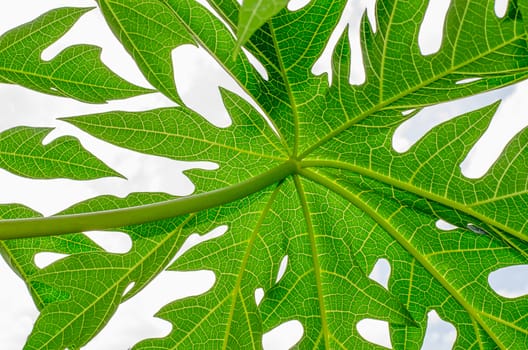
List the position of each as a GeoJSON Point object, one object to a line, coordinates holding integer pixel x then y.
{"type": "Point", "coordinates": [22, 152]}
{"type": "Point", "coordinates": [76, 72]}
{"type": "Point", "coordinates": [89, 276]}
{"type": "Point", "coordinates": [182, 134]}
{"type": "Point", "coordinates": [149, 32]}
{"type": "Point", "coordinates": [252, 15]}
{"type": "Point", "coordinates": [444, 260]}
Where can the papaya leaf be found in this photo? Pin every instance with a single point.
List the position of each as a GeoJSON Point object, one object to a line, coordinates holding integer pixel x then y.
{"type": "Point", "coordinates": [307, 175]}
{"type": "Point", "coordinates": [22, 153]}
{"type": "Point", "coordinates": [63, 310]}
{"type": "Point", "coordinates": [247, 144]}
{"type": "Point", "coordinates": [76, 72]}
{"type": "Point", "coordinates": [149, 31]}
{"type": "Point", "coordinates": [234, 317]}
{"type": "Point", "coordinates": [253, 14]}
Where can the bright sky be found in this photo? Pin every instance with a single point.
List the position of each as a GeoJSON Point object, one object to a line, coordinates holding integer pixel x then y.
{"type": "Point", "coordinates": [194, 72]}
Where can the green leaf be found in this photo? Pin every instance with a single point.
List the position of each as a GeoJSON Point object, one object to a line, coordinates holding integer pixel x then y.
{"type": "Point", "coordinates": [149, 31]}
{"type": "Point", "coordinates": [230, 314]}
{"type": "Point", "coordinates": [23, 153]}
{"type": "Point", "coordinates": [428, 170]}
{"type": "Point", "coordinates": [19, 253]}
{"type": "Point", "coordinates": [457, 263]}
{"type": "Point", "coordinates": [324, 274]}
{"type": "Point", "coordinates": [76, 72]}
{"type": "Point", "coordinates": [93, 284]}
{"type": "Point", "coordinates": [523, 6]}
{"type": "Point", "coordinates": [180, 133]}
{"type": "Point", "coordinates": [306, 171]}
{"type": "Point", "coordinates": [253, 14]}
{"type": "Point", "coordinates": [207, 32]}
{"type": "Point", "coordinates": [399, 78]}
{"type": "Point", "coordinates": [64, 312]}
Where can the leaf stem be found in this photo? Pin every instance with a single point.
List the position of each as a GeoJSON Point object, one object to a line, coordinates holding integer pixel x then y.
{"type": "Point", "coordinates": [108, 219]}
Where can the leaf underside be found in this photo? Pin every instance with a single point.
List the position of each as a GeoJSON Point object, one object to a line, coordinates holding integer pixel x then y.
{"type": "Point", "coordinates": [344, 200]}
{"type": "Point", "coordinates": [76, 72]}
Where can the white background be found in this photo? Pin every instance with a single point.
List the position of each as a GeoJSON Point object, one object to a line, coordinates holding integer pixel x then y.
{"type": "Point", "coordinates": [196, 72]}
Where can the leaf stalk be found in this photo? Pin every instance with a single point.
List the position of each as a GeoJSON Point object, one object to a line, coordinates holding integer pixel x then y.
{"type": "Point", "coordinates": [110, 219]}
